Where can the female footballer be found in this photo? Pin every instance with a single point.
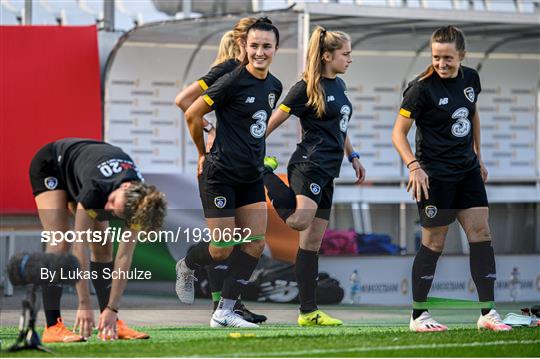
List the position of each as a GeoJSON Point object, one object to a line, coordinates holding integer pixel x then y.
{"type": "Point", "coordinates": [230, 55]}
{"type": "Point", "coordinates": [105, 184]}
{"type": "Point", "coordinates": [230, 175]}
{"type": "Point", "coordinates": [320, 101]}
{"type": "Point", "coordinates": [446, 174]}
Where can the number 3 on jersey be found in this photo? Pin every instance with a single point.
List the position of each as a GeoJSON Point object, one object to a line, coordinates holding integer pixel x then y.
{"type": "Point", "coordinates": [345, 113]}
{"type": "Point", "coordinates": [258, 129]}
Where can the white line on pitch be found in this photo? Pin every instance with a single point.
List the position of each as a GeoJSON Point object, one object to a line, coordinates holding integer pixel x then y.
{"type": "Point", "coordinates": [385, 348]}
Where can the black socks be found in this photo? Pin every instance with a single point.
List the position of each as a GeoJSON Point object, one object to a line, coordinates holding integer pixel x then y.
{"type": "Point", "coordinates": [423, 270]}
{"type": "Point", "coordinates": [102, 285]}
{"type": "Point", "coordinates": [483, 273]}
{"type": "Point", "coordinates": [307, 271]}
{"type": "Point", "coordinates": [52, 294]}
{"type": "Point", "coordinates": [199, 256]}
{"type": "Point", "coordinates": [242, 266]}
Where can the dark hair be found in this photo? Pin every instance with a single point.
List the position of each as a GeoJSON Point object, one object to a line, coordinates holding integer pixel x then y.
{"type": "Point", "coordinates": [445, 35]}
{"type": "Point", "coordinates": [264, 24]}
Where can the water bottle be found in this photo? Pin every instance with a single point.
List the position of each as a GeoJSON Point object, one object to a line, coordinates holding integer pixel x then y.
{"type": "Point", "coordinates": [355, 287]}
{"type": "Point", "coordinates": [515, 286]}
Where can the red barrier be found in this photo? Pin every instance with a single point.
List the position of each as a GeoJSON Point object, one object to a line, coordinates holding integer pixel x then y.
{"type": "Point", "coordinates": [50, 89]}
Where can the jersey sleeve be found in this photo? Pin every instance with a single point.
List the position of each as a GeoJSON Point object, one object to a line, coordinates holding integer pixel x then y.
{"type": "Point", "coordinates": [413, 102]}
{"type": "Point", "coordinates": [477, 85]}
{"type": "Point", "coordinates": [215, 73]}
{"type": "Point", "coordinates": [221, 91]}
{"type": "Point", "coordinates": [296, 100]}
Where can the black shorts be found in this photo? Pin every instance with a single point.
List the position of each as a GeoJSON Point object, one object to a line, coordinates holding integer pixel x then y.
{"type": "Point", "coordinates": [308, 180]}
{"type": "Point", "coordinates": [220, 196]}
{"type": "Point", "coordinates": [447, 198]}
{"type": "Point", "coordinates": [45, 173]}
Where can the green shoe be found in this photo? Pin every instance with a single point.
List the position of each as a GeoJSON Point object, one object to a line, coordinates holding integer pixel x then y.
{"type": "Point", "coordinates": [271, 163]}
{"type": "Point", "coordinates": [317, 318]}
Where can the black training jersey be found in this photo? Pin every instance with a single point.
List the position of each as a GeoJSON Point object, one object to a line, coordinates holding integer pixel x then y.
{"type": "Point", "coordinates": [92, 169]}
{"type": "Point", "coordinates": [443, 110]}
{"type": "Point", "coordinates": [216, 72]}
{"type": "Point", "coordinates": [243, 105]}
{"type": "Point", "coordinates": [323, 139]}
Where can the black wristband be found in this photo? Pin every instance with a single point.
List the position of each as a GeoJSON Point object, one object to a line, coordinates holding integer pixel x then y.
{"type": "Point", "coordinates": [410, 163]}
{"type": "Point", "coordinates": [112, 309]}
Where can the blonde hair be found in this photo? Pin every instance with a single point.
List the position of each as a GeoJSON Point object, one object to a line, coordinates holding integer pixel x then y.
{"type": "Point", "coordinates": [228, 46]}
{"type": "Point", "coordinates": [320, 42]}
{"type": "Point", "coordinates": [241, 27]}
{"type": "Point", "coordinates": [145, 207]}
{"type": "Point", "coordinates": [227, 49]}
{"type": "Point", "coordinates": [445, 35]}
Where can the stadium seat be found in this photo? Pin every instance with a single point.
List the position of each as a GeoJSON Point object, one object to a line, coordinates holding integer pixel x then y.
{"type": "Point", "coordinates": [95, 8]}
{"type": "Point", "coordinates": [67, 11]}
{"type": "Point", "coordinates": [528, 6]}
{"type": "Point", "coordinates": [142, 11]}
{"type": "Point", "coordinates": [438, 4]}
{"type": "Point", "coordinates": [500, 5]}
{"type": "Point", "coordinates": [11, 12]}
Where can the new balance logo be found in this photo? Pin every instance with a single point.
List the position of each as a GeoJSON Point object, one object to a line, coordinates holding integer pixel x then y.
{"type": "Point", "coordinates": [242, 281]}
{"type": "Point", "coordinates": [330, 98]}
{"type": "Point", "coordinates": [427, 277]}
{"type": "Point", "coordinates": [221, 267]}
{"type": "Point", "coordinates": [250, 99]}
{"type": "Point", "coordinates": [491, 275]}
{"type": "Point", "coordinates": [443, 101]}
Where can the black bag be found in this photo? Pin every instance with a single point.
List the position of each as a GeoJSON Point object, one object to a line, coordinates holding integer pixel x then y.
{"type": "Point", "coordinates": [275, 282]}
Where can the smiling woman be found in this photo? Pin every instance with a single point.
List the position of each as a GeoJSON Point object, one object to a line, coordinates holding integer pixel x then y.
{"type": "Point", "coordinates": [230, 176]}
{"type": "Point", "coordinates": [446, 174]}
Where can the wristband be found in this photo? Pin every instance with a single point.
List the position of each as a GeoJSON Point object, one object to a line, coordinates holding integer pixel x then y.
{"type": "Point", "coordinates": [112, 309]}
{"type": "Point", "coordinates": [414, 169]}
{"type": "Point", "coordinates": [353, 155]}
{"type": "Point", "coordinates": [410, 163]}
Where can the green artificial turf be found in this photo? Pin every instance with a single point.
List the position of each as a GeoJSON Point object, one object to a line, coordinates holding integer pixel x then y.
{"type": "Point", "coordinates": [289, 340]}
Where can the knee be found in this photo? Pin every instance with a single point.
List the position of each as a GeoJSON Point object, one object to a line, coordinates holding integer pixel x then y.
{"type": "Point", "coordinates": [479, 233]}
{"type": "Point", "coordinates": [62, 247]}
{"type": "Point", "coordinates": [298, 223]}
{"type": "Point", "coordinates": [435, 242]}
{"type": "Point", "coordinates": [220, 254]}
{"type": "Point", "coordinates": [255, 248]}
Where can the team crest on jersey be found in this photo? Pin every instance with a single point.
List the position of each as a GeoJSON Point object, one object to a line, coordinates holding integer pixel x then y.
{"type": "Point", "coordinates": [315, 188]}
{"type": "Point", "coordinates": [220, 201]}
{"type": "Point", "coordinates": [430, 211]}
{"type": "Point", "coordinates": [462, 126]}
{"type": "Point", "coordinates": [272, 99]}
{"type": "Point", "coordinates": [469, 93]}
{"type": "Point", "coordinates": [51, 183]}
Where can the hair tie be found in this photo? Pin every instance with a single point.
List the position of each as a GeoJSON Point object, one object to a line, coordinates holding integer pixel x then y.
{"type": "Point", "coordinates": [321, 39]}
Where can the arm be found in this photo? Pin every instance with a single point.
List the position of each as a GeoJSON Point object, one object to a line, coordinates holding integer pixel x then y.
{"type": "Point", "coordinates": [122, 264]}
{"type": "Point", "coordinates": [356, 164]}
{"type": "Point", "coordinates": [418, 179]}
{"type": "Point", "coordinates": [194, 118]}
{"type": "Point", "coordinates": [477, 144]}
{"type": "Point", "coordinates": [277, 118]}
{"type": "Point", "coordinates": [84, 320]}
{"type": "Point", "coordinates": [187, 96]}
